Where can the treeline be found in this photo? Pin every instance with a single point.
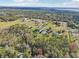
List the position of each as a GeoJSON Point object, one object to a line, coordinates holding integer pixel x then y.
{"type": "Point", "coordinates": [11, 15]}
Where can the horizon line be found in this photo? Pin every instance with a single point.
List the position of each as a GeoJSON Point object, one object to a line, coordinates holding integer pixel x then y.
{"type": "Point", "coordinates": [39, 7]}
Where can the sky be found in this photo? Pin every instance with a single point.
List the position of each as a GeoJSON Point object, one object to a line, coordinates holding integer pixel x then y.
{"type": "Point", "coordinates": [40, 3]}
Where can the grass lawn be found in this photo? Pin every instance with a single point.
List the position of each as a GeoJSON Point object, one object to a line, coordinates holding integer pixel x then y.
{"type": "Point", "coordinates": [8, 24]}
{"type": "Point", "coordinates": [11, 23]}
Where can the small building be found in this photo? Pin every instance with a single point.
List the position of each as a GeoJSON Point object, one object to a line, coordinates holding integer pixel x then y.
{"type": "Point", "coordinates": [25, 19]}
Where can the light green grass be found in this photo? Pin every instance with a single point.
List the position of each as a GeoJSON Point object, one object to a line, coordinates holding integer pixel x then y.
{"type": "Point", "coordinates": [8, 24]}
{"type": "Point", "coordinates": [30, 24]}
{"type": "Point", "coordinates": [11, 23]}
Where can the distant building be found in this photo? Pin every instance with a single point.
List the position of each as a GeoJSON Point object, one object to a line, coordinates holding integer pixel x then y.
{"type": "Point", "coordinates": [39, 20]}
{"type": "Point", "coordinates": [25, 19]}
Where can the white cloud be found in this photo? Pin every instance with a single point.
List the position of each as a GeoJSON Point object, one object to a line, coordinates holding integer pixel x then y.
{"type": "Point", "coordinates": [72, 3]}
{"type": "Point", "coordinates": [30, 4]}
{"type": "Point", "coordinates": [37, 3]}
{"type": "Point", "coordinates": [25, 1]}
{"type": "Point", "coordinates": [75, 0]}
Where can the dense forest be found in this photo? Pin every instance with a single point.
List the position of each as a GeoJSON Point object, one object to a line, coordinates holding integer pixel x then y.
{"type": "Point", "coordinates": [38, 33]}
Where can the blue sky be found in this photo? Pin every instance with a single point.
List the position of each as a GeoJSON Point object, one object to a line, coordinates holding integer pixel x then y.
{"type": "Point", "coordinates": [40, 3]}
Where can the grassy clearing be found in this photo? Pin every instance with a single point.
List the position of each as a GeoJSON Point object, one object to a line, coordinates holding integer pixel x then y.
{"type": "Point", "coordinates": [8, 24]}
{"type": "Point", "coordinates": [11, 23]}
{"type": "Point", "coordinates": [30, 24]}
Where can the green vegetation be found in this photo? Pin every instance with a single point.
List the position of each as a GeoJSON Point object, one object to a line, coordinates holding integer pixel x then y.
{"type": "Point", "coordinates": [27, 35]}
